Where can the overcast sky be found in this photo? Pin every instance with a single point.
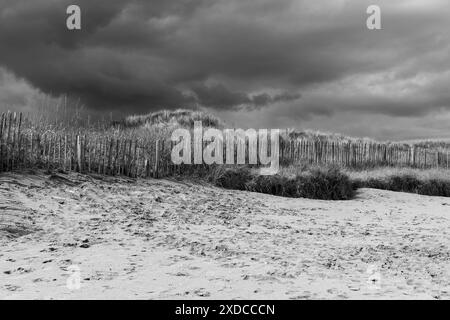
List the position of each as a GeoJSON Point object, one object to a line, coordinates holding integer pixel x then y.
{"type": "Point", "coordinates": [256, 63]}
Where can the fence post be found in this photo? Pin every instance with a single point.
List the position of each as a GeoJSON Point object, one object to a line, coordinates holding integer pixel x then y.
{"type": "Point", "coordinates": [65, 153]}
{"type": "Point", "coordinates": [78, 153]}
{"type": "Point", "coordinates": [147, 168]}
{"type": "Point", "coordinates": [13, 142]}
{"type": "Point", "coordinates": [437, 159]}
{"type": "Point", "coordinates": [156, 159]}
{"type": "Point", "coordinates": [447, 159]}
{"type": "Point", "coordinates": [116, 159]}
{"type": "Point", "coordinates": [8, 154]}
{"type": "Point", "coordinates": [1, 142]}
{"type": "Point", "coordinates": [109, 151]}
{"type": "Point", "coordinates": [19, 140]}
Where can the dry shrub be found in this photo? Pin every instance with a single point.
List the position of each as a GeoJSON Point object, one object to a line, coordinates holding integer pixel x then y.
{"type": "Point", "coordinates": [327, 183]}
{"type": "Point", "coordinates": [424, 182]}
{"type": "Point", "coordinates": [235, 178]}
{"type": "Point", "coordinates": [276, 185]}
{"type": "Point", "coordinates": [317, 183]}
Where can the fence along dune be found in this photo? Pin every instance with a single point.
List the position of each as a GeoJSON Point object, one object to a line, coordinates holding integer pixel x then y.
{"type": "Point", "coordinates": [23, 147]}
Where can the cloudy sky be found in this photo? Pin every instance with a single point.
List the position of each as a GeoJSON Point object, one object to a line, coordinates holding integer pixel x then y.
{"type": "Point", "coordinates": [256, 63]}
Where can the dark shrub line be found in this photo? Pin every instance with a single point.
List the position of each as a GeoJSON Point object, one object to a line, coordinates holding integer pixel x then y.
{"type": "Point", "coordinates": [318, 183]}
{"type": "Point", "coordinates": [327, 183]}
{"type": "Point", "coordinates": [407, 183]}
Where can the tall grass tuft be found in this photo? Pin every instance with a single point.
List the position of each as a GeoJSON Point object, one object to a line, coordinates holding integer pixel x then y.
{"type": "Point", "coordinates": [327, 183]}
{"type": "Point", "coordinates": [426, 182]}
{"type": "Point", "coordinates": [180, 117]}
{"type": "Point", "coordinates": [231, 177]}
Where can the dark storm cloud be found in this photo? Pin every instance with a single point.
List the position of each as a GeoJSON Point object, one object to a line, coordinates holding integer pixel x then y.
{"type": "Point", "coordinates": [142, 55]}
{"type": "Point", "coordinates": [36, 45]}
{"type": "Point", "coordinates": [219, 97]}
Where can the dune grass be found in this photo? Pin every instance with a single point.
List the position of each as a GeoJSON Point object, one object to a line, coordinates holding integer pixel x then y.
{"type": "Point", "coordinates": [432, 182]}
{"type": "Point", "coordinates": [318, 182]}
{"type": "Point", "coordinates": [332, 183]}
{"type": "Point", "coordinates": [326, 183]}
{"type": "Point", "coordinates": [180, 117]}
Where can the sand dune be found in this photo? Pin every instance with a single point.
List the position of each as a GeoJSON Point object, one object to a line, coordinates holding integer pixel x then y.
{"type": "Point", "coordinates": [164, 239]}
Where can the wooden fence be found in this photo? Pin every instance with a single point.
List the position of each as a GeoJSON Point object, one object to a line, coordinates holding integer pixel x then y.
{"type": "Point", "coordinates": [92, 153]}
{"type": "Point", "coordinates": [21, 148]}
{"type": "Point", "coordinates": [362, 154]}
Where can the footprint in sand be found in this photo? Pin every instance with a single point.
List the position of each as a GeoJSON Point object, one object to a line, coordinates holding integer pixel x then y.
{"type": "Point", "coordinates": [11, 287]}
{"type": "Point", "coordinates": [202, 292]}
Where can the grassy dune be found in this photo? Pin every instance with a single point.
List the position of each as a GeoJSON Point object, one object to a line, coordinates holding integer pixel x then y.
{"type": "Point", "coordinates": [431, 182]}
{"type": "Point", "coordinates": [327, 183]}
{"type": "Point", "coordinates": [293, 180]}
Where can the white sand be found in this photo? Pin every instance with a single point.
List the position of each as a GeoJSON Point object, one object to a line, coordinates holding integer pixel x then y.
{"type": "Point", "coordinates": [160, 239]}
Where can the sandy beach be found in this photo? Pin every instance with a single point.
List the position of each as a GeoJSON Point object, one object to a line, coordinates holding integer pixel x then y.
{"type": "Point", "coordinates": [168, 239]}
